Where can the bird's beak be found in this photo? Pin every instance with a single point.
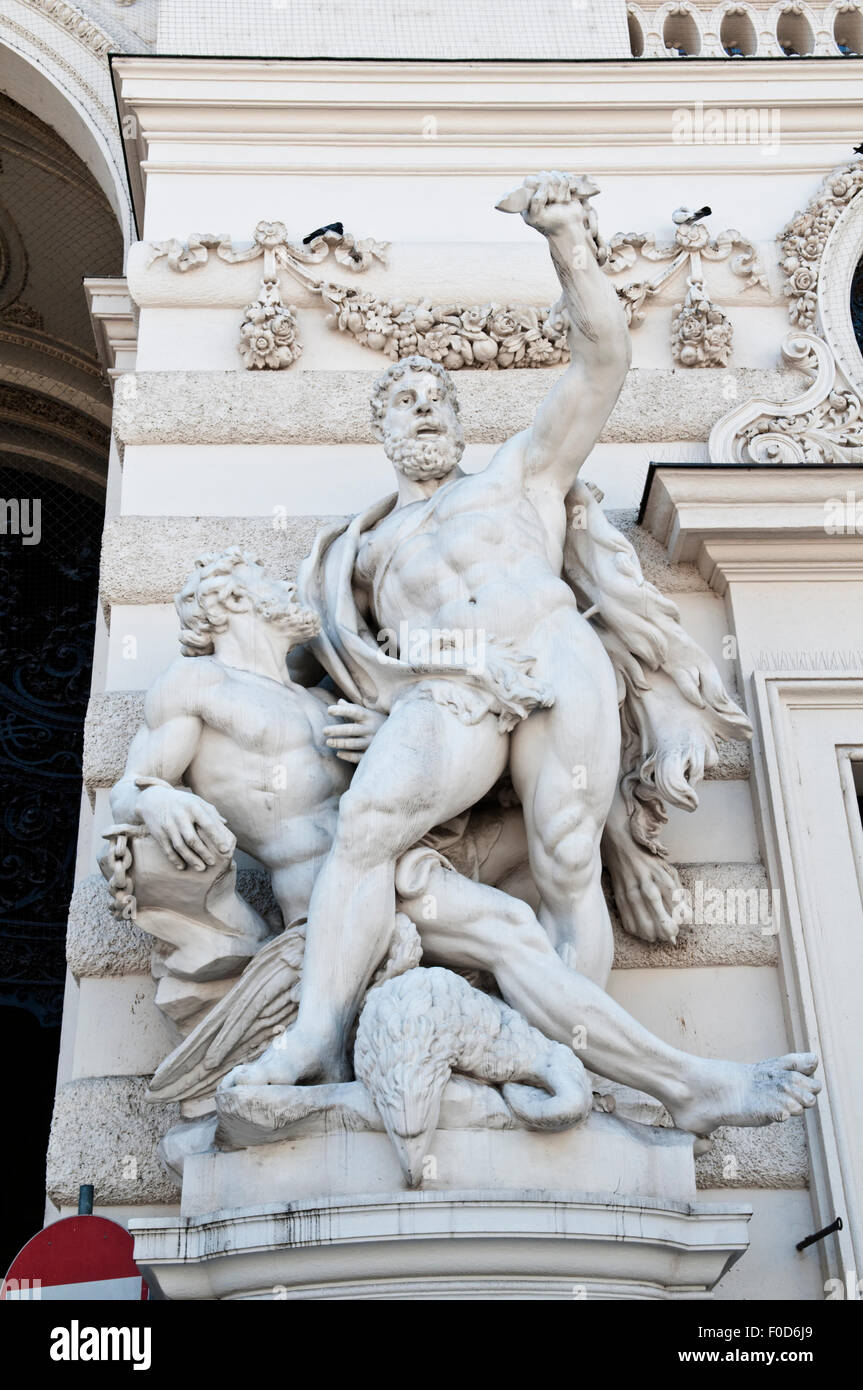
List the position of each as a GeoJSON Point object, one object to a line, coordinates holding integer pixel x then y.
{"type": "Point", "coordinates": [412, 1154]}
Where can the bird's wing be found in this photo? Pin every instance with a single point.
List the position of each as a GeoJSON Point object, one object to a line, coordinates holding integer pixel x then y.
{"type": "Point", "coordinates": [262, 1003]}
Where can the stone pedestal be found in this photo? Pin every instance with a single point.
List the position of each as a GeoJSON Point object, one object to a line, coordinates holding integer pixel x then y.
{"type": "Point", "coordinates": [611, 1215]}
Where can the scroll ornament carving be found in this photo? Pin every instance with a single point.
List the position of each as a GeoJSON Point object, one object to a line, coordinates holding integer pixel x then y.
{"type": "Point", "coordinates": [802, 242]}
{"type": "Point", "coordinates": [701, 333]}
{"type": "Point", "coordinates": [269, 335]}
{"type": "Point", "coordinates": [823, 425]}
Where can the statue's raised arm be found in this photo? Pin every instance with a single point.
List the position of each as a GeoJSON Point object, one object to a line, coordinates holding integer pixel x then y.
{"type": "Point", "coordinates": [569, 420]}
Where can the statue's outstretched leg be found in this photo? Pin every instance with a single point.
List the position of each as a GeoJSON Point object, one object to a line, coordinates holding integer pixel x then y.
{"type": "Point", "coordinates": [475, 926]}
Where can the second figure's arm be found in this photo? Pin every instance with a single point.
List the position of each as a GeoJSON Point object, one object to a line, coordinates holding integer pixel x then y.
{"type": "Point", "coordinates": [188, 829]}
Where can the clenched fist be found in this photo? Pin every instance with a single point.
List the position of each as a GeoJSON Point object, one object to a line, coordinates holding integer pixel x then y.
{"type": "Point", "coordinates": [552, 201]}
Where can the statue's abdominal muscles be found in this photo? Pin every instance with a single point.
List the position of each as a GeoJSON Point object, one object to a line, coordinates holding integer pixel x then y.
{"type": "Point", "coordinates": [467, 568]}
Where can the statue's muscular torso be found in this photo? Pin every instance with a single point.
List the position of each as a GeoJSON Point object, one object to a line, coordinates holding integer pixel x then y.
{"type": "Point", "coordinates": [483, 553]}
{"type": "Point", "coordinates": [261, 757]}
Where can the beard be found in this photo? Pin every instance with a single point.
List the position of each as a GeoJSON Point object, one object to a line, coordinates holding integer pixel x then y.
{"type": "Point", "coordinates": [424, 458]}
{"type": "Point", "coordinates": [302, 623]}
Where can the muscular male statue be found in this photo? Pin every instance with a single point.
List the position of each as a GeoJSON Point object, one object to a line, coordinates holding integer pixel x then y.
{"type": "Point", "coordinates": [257, 755]}
{"type": "Point", "coordinates": [479, 557]}
{"type": "Point", "coordinates": [230, 719]}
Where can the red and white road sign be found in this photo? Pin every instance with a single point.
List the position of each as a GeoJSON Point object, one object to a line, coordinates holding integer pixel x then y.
{"type": "Point", "coordinates": [79, 1259]}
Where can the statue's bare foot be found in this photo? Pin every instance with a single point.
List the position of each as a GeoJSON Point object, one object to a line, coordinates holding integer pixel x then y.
{"type": "Point", "coordinates": [740, 1093]}
{"type": "Point", "coordinates": [288, 1061]}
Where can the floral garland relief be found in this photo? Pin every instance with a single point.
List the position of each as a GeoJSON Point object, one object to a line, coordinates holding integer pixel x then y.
{"type": "Point", "coordinates": [802, 242]}
{"type": "Point", "coordinates": [487, 336]}
{"type": "Point", "coordinates": [269, 336]}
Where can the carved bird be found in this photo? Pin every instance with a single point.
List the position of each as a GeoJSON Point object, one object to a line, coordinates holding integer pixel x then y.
{"type": "Point", "coordinates": [420, 1027]}
{"type": "Point", "coordinates": [259, 1006]}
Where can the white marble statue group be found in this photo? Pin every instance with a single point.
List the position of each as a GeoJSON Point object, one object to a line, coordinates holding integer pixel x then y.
{"type": "Point", "coordinates": [469, 703]}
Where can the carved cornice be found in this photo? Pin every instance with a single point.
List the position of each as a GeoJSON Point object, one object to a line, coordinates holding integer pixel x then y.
{"type": "Point", "coordinates": [757, 523]}
{"type": "Point", "coordinates": [115, 325]}
{"type": "Point", "coordinates": [489, 117]}
{"type": "Point", "coordinates": [76, 23]}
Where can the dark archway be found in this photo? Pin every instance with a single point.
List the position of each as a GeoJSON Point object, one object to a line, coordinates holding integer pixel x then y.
{"type": "Point", "coordinates": [56, 227]}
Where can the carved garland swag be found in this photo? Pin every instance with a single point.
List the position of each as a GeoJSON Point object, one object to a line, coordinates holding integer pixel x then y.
{"type": "Point", "coordinates": [490, 336]}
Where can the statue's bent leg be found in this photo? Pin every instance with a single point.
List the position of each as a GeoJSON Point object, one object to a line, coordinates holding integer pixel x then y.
{"type": "Point", "coordinates": [423, 766]}
{"type": "Point", "coordinates": [476, 926]}
{"type": "Point", "coordinates": [564, 764]}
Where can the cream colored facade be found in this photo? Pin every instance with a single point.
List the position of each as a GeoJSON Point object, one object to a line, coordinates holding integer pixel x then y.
{"type": "Point", "coordinates": [409, 135]}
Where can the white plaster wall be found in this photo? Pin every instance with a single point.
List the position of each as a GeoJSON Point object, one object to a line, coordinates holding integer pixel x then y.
{"type": "Point", "coordinates": [772, 1268]}
{"type": "Point", "coordinates": [121, 1032]}
{"type": "Point", "coordinates": [785, 628]}
{"type": "Point", "coordinates": [318, 480]}
{"type": "Point", "coordinates": [460, 206]}
{"type": "Point", "coordinates": [733, 1012]}
{"type": "Point", "coordinates": [721, 830]}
